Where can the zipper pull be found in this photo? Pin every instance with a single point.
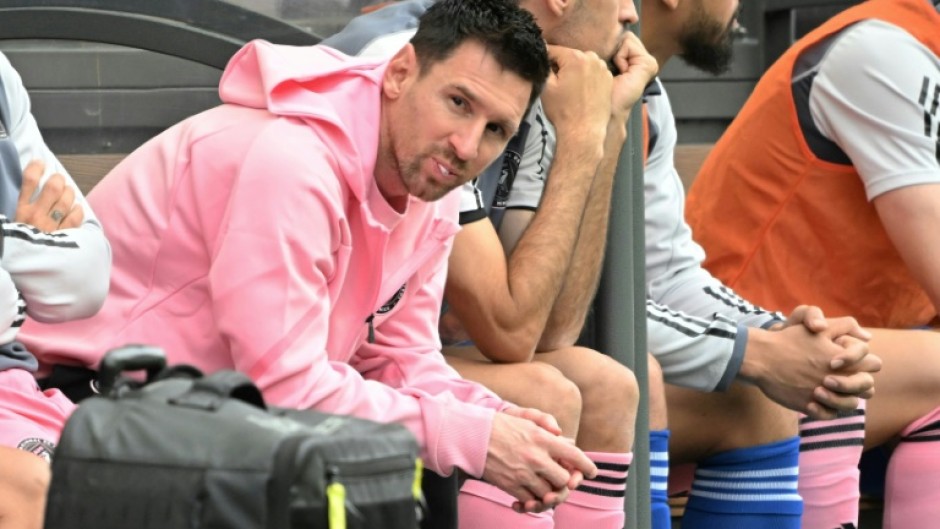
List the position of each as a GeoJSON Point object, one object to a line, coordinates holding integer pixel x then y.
{"type": "Point", "coordinates": [421, 504]}
{"type": "Point", "coordinates": [371, 328]}
{"type": "Point", "coordinates": [335, 501]}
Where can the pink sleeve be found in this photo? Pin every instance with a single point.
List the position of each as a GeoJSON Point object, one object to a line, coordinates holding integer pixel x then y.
{"type": "Point", "coordinates": [406, 354]}
{"type": "Point", "coordinates": [270, 285]}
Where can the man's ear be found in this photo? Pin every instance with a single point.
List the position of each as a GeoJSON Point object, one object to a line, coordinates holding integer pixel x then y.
{"type": "Point", "coordinates": [558, 8]}
{"type": "Point", "coordinates": [401, 69]}
{"type": "Point", "coordinates": [671, 5]}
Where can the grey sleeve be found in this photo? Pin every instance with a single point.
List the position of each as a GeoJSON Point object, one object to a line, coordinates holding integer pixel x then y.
{"type": "Point", "coordinates": [381, 32]}
{"type": "Point", "coordinates": [62, 275]}
{"type": "Point", "coordinates": [876, 94]}
{"type": "Point", "coordinates": [697, 353]}
{"type": "Point", "coordinates": [535, 162]}
{"type": "Point", "coordinates": [674, 274]}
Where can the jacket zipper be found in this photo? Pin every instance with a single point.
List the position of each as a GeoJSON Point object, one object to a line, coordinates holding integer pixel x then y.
{"type": "Point", "coordinates": [411, 271]}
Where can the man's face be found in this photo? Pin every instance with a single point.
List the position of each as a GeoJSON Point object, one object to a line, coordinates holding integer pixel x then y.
{"type": "Point", "coordinates": [706, 38]}
{"type": "Point", "coordinates": [452, 120]}
{"type": "Point", "coordinates": [594, 25]}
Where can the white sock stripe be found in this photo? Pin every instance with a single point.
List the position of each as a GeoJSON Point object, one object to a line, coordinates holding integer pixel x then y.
{"type": "Point", "coordinates": [656, 485]}
{"type": "Point", "coordinates": [659, 456]}
{"type": "Point", "coordinates": [747, 497]}
{"type": "Point", "coordinates": [745, 474]}
{"type": "Point", "coordinates": [745, 485]}
{"type": "Point", "coordinates": [659, 472]}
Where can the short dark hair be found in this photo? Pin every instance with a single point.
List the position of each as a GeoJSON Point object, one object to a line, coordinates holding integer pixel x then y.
{"type": "Point", "coordinates": [508, 32]}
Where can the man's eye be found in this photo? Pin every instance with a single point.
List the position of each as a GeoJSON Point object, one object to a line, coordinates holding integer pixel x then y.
{"type": "Point", "coordinates": [458, 101]}
{"type": "Point", "coordinates": [496, 129]}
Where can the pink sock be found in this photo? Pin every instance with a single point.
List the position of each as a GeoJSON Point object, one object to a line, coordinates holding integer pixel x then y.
{"type": "Point", "coordinates": [912, 484]}
{"type": "Point", "coordinates": [483, 506]}
{"type": "Point", "coordinates": [828, 482]}
{"type": "Point", "coordinates": [598, 503]}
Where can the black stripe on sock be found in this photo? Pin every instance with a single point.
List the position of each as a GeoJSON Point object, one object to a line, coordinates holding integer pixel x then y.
{"type": "Point", "coordinates": [833, 428]}
{"type": "Point", "coordinates": [616, 467]}
{"type": "Point", "coordinates": [923, 91]}
{"type": "Point", "coordinates": [837, 443]}
{"type": "Point", "coordinates": [602, 492]}
{"type": "Point", "coordinates": [926, 428]}
{"type": "Point", "coordinates": [608, 480]}
{"type": "Point", "coordinates": [928, 123]}
{"type": "Point", "coordinates": [841, 415]}
{"type": "Point", "coordinates": [921, 439]}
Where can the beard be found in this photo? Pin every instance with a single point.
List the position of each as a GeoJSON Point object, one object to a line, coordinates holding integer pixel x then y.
{"type": "Point", "coordinates": [707, 44]}
{"type": "Point", "coordinates": [426, 188]}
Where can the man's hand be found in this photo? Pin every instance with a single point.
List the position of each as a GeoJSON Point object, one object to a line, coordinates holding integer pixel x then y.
{"type": "Point", "coordinates": [817, 373]}
{"type": "Point", "coordinates": [528, 460]}
{"type": "Point", "coordinates": [854, 360]}
{"type": "Point", "coordinates": [576, 97]}
{"type": "Point", "coordinates": [637, 68]}
{"type": "Point", "coordinates": [539, 417]}
{"type": "Point", "coordinates": [812, 317]}
{"type": "Point", "coordinates": [54, 208]}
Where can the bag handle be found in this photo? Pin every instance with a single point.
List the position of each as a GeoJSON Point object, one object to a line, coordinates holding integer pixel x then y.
{"type": "Point", "coordinates": [131, 357]}
{"type": "Point", "coordinates": [210, 392]}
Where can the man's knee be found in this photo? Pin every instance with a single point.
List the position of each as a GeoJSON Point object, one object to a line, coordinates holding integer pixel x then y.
{"type": "Point", "coordinates": [609, 387]}
{"type": "Point", "coordinates": [24, 480]}
{"type": "Point", "coordinates": [707, 423]}
{"type": "Point", "coordinates": [554, 394]}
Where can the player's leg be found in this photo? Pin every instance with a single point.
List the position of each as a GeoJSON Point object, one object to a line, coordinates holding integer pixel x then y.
{"type": "Point", "coordinates": [747, 452]}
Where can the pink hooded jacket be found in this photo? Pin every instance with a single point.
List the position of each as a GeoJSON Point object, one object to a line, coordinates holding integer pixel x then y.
{"type": "Point", "coordinates": [253, 237]}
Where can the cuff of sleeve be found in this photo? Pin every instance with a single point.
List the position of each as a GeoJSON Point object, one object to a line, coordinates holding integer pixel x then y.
{"type": "Point", "coordinates": [3, 228]}
{"type": "Point", "coordinates": [775, 318]}
{"type": "Point", "coordinates": [466, 217]}
{"type": "Point", "coordinates": [464, 436]}
{"type": "Point", "coordinates": [734, 363]}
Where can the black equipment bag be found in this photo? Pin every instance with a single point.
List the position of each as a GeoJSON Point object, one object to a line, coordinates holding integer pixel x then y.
{"type": "Point", "coordinates": [185, 451]}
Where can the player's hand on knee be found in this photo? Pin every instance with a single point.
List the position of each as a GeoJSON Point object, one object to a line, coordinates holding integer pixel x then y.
{"type": "Point", "coordinates": [540, 418]}
{"type": "Point", "coordinates": [531, 464]}
{"type": "Point", "coordinates": [856, 357]}
{"type": "Point", "coordinates": [840, 394]}
{"type": "Point", "coordinates": [790, 365]}
{"type": "Point", "coordinates": [860, 385]}
{"type": "Point", "coordinates": [812, 317]}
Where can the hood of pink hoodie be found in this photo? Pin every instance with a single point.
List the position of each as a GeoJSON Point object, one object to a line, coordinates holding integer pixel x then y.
{"type": "Point", "coordinates": [311, 82]}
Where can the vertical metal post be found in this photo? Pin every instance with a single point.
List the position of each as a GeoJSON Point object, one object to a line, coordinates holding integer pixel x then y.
{"type": "Point", "coordinates": [621, 304]}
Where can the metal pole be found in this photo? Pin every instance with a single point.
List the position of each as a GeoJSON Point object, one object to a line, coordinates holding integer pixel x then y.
{"type": "Point", "coordinates": [621, 305]}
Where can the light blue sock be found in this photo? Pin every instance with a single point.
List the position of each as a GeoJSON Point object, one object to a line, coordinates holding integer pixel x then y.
{"type": "Point", "coordinates": [748, 488]}
{"type": "Point", "coordinates": [659, 479]}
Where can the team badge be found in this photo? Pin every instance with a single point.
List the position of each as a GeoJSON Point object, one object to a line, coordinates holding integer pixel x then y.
{"type": "Point", "coordinates": [40, 447]}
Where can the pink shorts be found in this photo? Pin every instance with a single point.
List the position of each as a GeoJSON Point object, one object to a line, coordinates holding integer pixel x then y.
{"type": "Point", "coordinates": [30, 419]}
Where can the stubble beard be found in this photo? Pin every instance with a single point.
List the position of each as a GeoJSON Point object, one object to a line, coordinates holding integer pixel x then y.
{"type": "Point", "coordinates": [708, 45]}
{"type": "Point", "coordinates": [426, 188]}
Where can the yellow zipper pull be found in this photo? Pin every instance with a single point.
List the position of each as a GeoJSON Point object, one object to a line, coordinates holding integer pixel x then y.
{"type": "Point", "coordinates": [416, 484]}
{"type": "Point", "coordinates": [336, 505]}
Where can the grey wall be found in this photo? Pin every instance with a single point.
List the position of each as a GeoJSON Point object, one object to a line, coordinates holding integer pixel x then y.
{"type": "Point", "coordinates": [94, 98]}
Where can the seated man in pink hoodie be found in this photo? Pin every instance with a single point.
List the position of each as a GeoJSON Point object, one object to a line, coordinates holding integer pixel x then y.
{"type": "Point", "coordinates": [299, 233]}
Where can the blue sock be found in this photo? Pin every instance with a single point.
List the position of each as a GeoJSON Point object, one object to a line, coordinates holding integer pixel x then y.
{"type": "Point", "coordinates": [747, 488]}
{"type": "Point", "coordinates": [659, 479]}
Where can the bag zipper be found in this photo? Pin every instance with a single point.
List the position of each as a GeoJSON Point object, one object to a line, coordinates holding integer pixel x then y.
{"type": "Point", "coordinates": [337, 506]}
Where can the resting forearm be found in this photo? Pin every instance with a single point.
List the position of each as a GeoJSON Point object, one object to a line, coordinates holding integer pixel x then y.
{"type": "Point", "coordinates": [571, 307]}
{"type": "Point", "coordinates": [541, 261]}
